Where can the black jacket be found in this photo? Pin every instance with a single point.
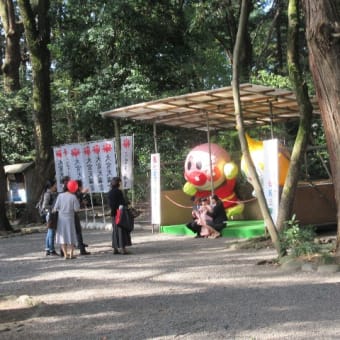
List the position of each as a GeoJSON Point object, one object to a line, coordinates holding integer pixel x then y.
{"type": "Point", "coordinates": [218, 213]}
{"type": "Point", "coordinates": [116, 198]}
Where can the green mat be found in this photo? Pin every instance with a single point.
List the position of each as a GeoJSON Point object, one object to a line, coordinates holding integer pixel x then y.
{"type": "Point", "coordinates": [236, 229]}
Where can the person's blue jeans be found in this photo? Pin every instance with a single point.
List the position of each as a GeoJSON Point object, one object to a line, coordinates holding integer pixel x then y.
{"type": "Point", "coordinates": [49, 242]}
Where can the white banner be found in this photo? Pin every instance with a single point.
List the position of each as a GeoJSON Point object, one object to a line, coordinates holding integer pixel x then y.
{"type": "Point", "coordinates": [75, 161]}
{"type": "Point", "coordinates": [68, 162]}
{"type": "Point", "coordinates": [126, 152]}
{"type": "Point", "coordinates": [271, 176]}
{"type": "Point", "coordinates": [155, 189]}
{"type": "Point", "coordinates": [59, 166]}
{"type": "Point", "coordinates": [94, 163]}
{"type": "Point", "coordinates": [109, 163]}
{"type": "Point", "coordinates": [88, 168]}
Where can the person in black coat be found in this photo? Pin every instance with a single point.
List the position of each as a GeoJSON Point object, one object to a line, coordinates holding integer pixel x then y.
{"type": "Point", "coordinates": [121, 237]}
{"type": "Point", "coordinates": [80, 194]}
{"type": "Point", "coordinates": [219, 218]}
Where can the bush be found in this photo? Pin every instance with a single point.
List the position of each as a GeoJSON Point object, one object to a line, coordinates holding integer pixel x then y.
{"type": "Point", "coordinates": [299, 241]}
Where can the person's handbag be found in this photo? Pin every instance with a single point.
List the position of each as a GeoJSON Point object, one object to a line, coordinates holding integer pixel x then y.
{"type": "Point", "coordinates": [124, 219]}
{"type": "Point", "coordinates": [133, 212]}
{"type": "Point", "coordinates": [52, 220]}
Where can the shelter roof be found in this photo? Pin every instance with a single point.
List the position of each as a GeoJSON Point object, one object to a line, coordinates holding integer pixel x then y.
{"type": "Point", "coordinates": [16, 168]}
{"type": "Point", "coordinates": [261, 105]}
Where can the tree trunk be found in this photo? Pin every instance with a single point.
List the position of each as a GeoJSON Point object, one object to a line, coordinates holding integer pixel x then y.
{"type": "Point", "coordinates": [37, 31]}
{"type": "Point", "coordinates": [306, 111]}
{"type": "Point", "coordinates": [323, 38]}
{"type": "Point", "coordinates": [13, 31]}
{"type": "Point", "coordinates": [241, 132]}
{"type": "Point", "coordinates": [4, 222]}
{"type": "Point", "coordinates": [247, 51]}
{"type": "Point", "coordinates": [10, 71]}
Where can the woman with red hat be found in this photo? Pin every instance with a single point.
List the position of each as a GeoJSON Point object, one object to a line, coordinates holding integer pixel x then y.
{"type": "Point", "coordinates": [66, 205]}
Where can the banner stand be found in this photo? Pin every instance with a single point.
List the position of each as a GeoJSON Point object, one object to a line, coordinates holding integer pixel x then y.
{"type": "Point", "coordinates": [93, 212]}
{"type": "Point", "coordinates": [86, 218]}
{"type": "Point", "coordinates": [95, 163]}
{"type": "Point", "coordinates": [103, 209]}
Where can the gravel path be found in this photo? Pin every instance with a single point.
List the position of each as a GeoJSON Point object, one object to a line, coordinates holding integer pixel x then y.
{"type": "Point", "coordinates": [171, 287]}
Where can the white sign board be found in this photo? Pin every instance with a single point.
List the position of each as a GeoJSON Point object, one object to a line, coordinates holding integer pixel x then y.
{"type": "Point", "coordinates": [155, 189]}
{"type": "Point", "coordinates": [271, 176]}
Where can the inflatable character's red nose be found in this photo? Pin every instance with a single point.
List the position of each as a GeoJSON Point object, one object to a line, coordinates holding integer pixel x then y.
{"type": "Point", "coordinates": [197, 178]}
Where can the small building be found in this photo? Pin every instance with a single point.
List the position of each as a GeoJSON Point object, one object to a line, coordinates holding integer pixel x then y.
{"type": "Point", "coordinates": [17, 178]}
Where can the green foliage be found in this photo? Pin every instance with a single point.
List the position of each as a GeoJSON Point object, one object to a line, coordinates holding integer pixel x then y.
{"type": "Point", "coordinates": [109, 54]}
{"type": "Point", "coordinates": [299, 241]}
{"type": "Point", "coordinates": [316, 164]}
{"type": "Point", "coordinates": [229, 141]}
{"type": "Point", "coordinates": [327, 257]}
{"type": "Point", "coordinates": [16, 127]}
{"type": "Point", "coordinates": [264, 77]}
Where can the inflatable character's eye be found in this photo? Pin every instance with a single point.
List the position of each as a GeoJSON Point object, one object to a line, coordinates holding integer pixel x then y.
{"type": "Point", "coordinates": [199, 165]}
{"type": "Point", "coordinates": [189, 165]}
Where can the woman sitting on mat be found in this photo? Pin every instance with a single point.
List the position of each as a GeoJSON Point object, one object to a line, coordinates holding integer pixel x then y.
{"type": "Point", "coordinates": [202, 217]}
{"type": "Point", "coordinates": [219, 217]}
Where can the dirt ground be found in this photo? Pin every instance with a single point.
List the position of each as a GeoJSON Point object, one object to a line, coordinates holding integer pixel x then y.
{"type": "Point", "coordinates": [170, 287]}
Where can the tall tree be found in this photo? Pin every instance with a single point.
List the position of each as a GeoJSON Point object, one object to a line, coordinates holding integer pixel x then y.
{"type": "Point", "coordinates": [240, 127]}
{"type": "Point", "coordinates": [306, 111]}
{"type": "Point", "coordinates": [13, 32]}
{"type": "Point", "coordinates": [11, 83]}
{"type": "Point", "coordinates": [37, 32]}
{"type": "Point", "coordinates": [4, 222]}
{"type": "Point", "coordinates": [323, 38]}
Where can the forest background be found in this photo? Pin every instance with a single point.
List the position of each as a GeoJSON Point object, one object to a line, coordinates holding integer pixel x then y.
{"type": "Point", "coordinates": [65, 62]}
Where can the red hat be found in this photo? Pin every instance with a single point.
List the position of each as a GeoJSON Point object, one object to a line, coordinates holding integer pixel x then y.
{"type": "Point", "coordinates": [72, 186]}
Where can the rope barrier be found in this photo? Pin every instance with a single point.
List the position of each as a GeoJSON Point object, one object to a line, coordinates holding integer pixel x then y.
{"type": "Point", "coordinates": [190, 207]}
{"type": "Point", "coordinates": [240, 202]}
{"type": "Point", "coordinates": [177, 204]}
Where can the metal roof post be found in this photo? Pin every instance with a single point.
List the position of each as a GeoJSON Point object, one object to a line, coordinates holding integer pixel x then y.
{"type": "Point", "coordinates": [155, 136]}
{"type": "Point", "coordinates": [210, 161]}
{"type": "Point", "coordinates": [271, 119]}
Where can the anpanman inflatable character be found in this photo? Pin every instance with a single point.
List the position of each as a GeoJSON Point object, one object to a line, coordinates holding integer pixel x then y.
{"type": "Point", "coordinates": [223, 176]}
{"type": "Point", "coordinates": [257, 155]}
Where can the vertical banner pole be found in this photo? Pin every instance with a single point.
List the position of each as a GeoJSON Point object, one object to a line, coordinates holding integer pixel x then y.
{"type": "Point", "coordinates": [92, 207]}
{"type": "Point", "coordinates": [103, 210]}
{"type": "Point", "coordinates": [210, 159]}
{"type": "Point", "coordinates": [155, 190]}
{"type": "Point", "coordinates": [155, 137]}
{"type": "Point", "coordinates": [86, 218]}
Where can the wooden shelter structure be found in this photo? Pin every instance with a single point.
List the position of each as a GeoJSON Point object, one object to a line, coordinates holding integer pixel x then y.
{"type": "Point", "coordinates": [214, 109]}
